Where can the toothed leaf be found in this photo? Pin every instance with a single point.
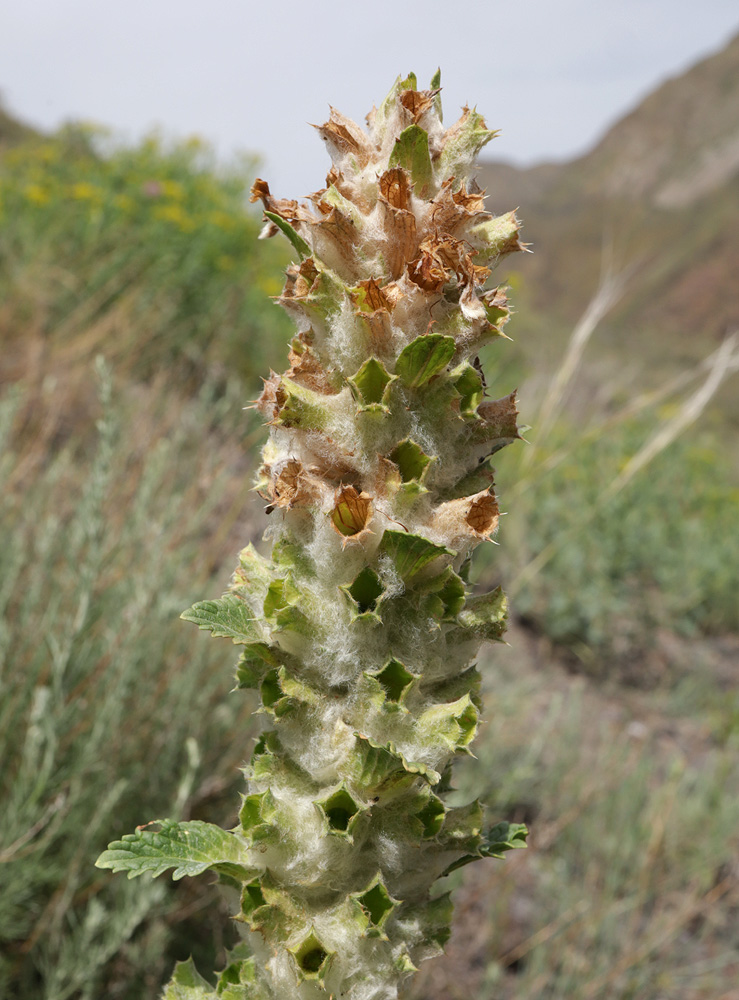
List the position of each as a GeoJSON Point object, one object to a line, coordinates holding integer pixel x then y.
{"type": "Point", "coordinates": [424, 358]}
{"type": "Point", "coordinates": [188, 984]}
{"type": "Point", "coordinates": [189, 848]}
{"type": "Point", "coordinates": [411, 553]}
{"type": "Point", "coordinates": [494, 843]}
{"type": "Point", "coordinates": [228, 618]}
{"type": "Point", "coordinates": [486, 615]}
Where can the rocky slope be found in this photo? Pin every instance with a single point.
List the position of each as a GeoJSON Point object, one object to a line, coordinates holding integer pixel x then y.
{"type": "Point", "coordinates": [659, 195]}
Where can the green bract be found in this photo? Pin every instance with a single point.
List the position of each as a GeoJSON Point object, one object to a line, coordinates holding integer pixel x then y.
{"type": "Point", "coordinates": [360, 632]}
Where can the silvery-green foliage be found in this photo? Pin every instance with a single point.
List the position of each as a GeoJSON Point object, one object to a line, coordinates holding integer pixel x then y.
{"type": "Point", "coordinates": [360, 631]}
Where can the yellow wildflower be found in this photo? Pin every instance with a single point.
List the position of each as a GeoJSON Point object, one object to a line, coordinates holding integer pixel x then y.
{"type": "Point", "coordinates": [37, 194]}
{"type": "Point", "coordinates": [176, 214]}
{"type": "Point", "coordinates": [83, 191]}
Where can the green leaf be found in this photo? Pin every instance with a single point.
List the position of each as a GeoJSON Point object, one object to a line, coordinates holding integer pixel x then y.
{"type": "Point", "coordinates": [411, 152]}
{"type": "Point", "coordinates": [297, 241]}
{"type": "Point", "coordinates": [364, 593]}
{"type": "Point", "coordinates": [292, 619]}
{"type": "Point", "coordinates": [411, 553]}
{"type": "Point", "coordinates": [468, 383]}
{"type": "Point", "coordinates": [462, 827]}
{"type": "Point", "coordinates": [188, 984]}
{"type": "Point", "coordinates": [494, 843]}
{"type": "Point", "coordinates": [239, 980]}
{"type": "Point", "coordinates": [394, 680]}
{"type": "Point", "coordinates": [190, 848]}
{"type": "Point", "coordinates": [281, 593]}
{"type": "Point", "coordinates": [495, 237]}
{"type": "Point", "coordinates": [228, 617]}
{"type": "Point", "coordinates": [462, 142]}
{"type": "Point", "coordinates": [371, 382]}
{"type": "Point", "coordinates": [432, 816]}
{"type": "Point", "coordinates": [410, 459]}
{"type": "Point", "coordinates": [375, 905]}
{"type": "Point", "coordinates": [302, 408]}
{"type": "Point", "coordinates": [486, 615]}
{"type": "Point", "coordinates": [390, 103]}
{"type": "Point", "coordinates": [503, 837]}
{"type": "Point", "coordinates": [453, 724]}
{"type": "Point", "coordinates": [381, 769]}
{"type": "Point", "coordinates": [436, 85]}
{"type": "Point", "coordinates": [333, 197]}
{"type": "Point", "coordinates": [452, 594]}
{"type": "Point", "coordinates": [342, 812]}
{"type": "Point", "coordinates": [434, 918]}
{"type": "Point", "coordinates": [255, 661]}
{"type": "Point", "coordinates": [312, 958]}
{"type": "Point", "coordinates": [257, 817]}
{"type": "Point", "coordinates": [424, 358]}
{"type": "Point", "coordinates": [253, 570]}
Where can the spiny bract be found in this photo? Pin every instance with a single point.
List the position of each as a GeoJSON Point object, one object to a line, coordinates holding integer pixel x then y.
{"type": "Point", "coordinates": [359, 633]}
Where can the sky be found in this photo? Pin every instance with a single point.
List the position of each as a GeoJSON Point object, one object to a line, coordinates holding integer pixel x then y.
{"type": "Point", "coordinates": [552, 75]}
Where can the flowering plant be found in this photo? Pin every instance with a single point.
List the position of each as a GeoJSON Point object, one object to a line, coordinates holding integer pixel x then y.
{"type": "Point", "coordinates": [360, 632]}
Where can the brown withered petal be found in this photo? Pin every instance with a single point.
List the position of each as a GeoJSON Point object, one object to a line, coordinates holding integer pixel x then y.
{"type": "Point", "coordinates": [387, 479]}
{"type": "Point", "coordinates": [454, 209]}
{"type": "Point", "coordinates": [417, 101]}
{"type": "Point", "coordinates": [500, 417]}
{"type": "Point", "coordinates": [272, 398]}
{"type": "Point", "coordinates": [446, 214]}
{"type": "Point", "coordinates": [427, 273]}
{"type": "Point", "coordinates": [287, 208]}
{"type": "Point", "coordinates": [284, 487]}
{"type": "Point", "coordinates": [299, 280]}
{"type": "Point", "coordinates": [441, 254]}
{"type": "Point", "coordinates": [293, 486]}
{"type": "Point", "coordinates": [472, 308]}
{"type": "Point", "coordinates": [496, 298]}
{"type": "Point", "coordinates": [375, 296]}
{"type": "Point", "coordinates": [400, 243]}
{"type": "Point", "coordinates": [482, 516]}
{"type": "Point", "coordinates": [455, 255]}
{"type": "Point", "coordinates": [340, 229]}
{"type": "Point", "coordinates": [352, 511]}
{"type": "Point", "coordinates": [393, 294]}
{"type": "Point", "coordinates": [332, 463]}
{"type": "Point", "coordinates": [260, 190]}
{"type": "Point", "coordinates": [306, 369]}
{"type": "Point", "coordinates": [468, 517]}
{"type": "Point", "coordinates": [472, 201]}
{"type": "Point", "coordinates": [395, 187]}
{"type": "Point", "coordinates": [346, 137]}
{"type": "Point", "coordinates": [379, 329]}
{"type": "Point", "coordinates": [323, 206]}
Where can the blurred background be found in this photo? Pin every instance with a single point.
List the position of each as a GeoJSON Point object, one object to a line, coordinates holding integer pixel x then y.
{"type": "Point", "coordinates": [135, 323]}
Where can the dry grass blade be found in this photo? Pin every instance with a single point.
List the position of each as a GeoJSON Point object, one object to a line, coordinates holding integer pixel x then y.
{"type": "Point", "coordinates": [606, 296]}
{"type": "Point", "coordinates": [725, 362]}
{"type": "Point", "coordinates": [722, 363]}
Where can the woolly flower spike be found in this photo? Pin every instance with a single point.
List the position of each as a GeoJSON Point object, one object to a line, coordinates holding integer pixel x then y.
{"type": "Point", "coordinates": [358, 633]}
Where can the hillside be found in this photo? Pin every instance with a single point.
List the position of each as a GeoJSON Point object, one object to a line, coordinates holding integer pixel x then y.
{"type": "Point", "coordinates": [661, 192]}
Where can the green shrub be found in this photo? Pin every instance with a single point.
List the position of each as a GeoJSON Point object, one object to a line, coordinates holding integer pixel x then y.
{"type": "Point", "coordinates": [628, 889]}
{"type": "Point", "coordinates": [661, 553]}
{"type": "Point", "coordinates": [147, 252]}
{"type": "Point", "coordinates": [107, 708]}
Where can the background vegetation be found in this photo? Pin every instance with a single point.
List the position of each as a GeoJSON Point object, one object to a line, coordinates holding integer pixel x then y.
{"type": "Point", "coordinates": [614, 716]}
